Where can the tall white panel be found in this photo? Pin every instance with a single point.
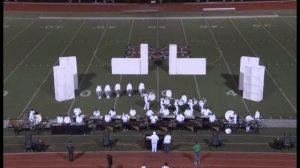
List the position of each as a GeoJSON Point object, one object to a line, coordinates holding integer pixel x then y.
{"type": "Point", "coordinates": [246, 61]}
{"type": "Point", "coordinates": [253, 83]}
{"type": "Point", "coordinates": [71, 62]}
{"type": "Point", "coordinates": [63, 83]}
{"type": "Point", "coordinates": [144, 58]}
{"type": "Point", "coordinates": [172, 59]}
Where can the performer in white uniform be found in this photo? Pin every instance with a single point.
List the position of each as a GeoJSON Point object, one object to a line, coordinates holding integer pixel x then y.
{"type": "Point", "coordinates": [184, 99]}
{"type": "Point", "coordinates": [141, 88]}
{"type": "Point", "coordinates": [67, 120]}
{"type": "Point", "coordinates": [59, 119]}
{"type": "Point", "coordinates": [191, 104]}
{"type": "Point", "coordinates": [176, 107]}
{"type": "Point", "coordinates": [248, 119]}
{"type": "Point", "coordinates": [98, 91]}
{"type": "Point", "coordinates": [107, 91]}
{"type": "Point", "coordinates": [107, 118]}
{"type": "Point", "coordinates": [202, 101]}
{"type": "Point", "coordinates": [77, 111]}
{"type": "Point", "coordinates": [79, 119]}
{"type": "Point", "coordinates": [118, 89]}
{"type": "Point", "coordinates": [212, 117]}
{"type": "Point", "coordinates": [162, 106]}
{"type": "Point", "coordinates": [257, 115]}
{"type": "Point", "coordinates": [112, 112]}
{"type": "Point", "coordinates": [146, 100]}
{"type": "Point", "coordinates": [129, 89]}
{"type": "Point", "coordinates": [154, 140]}
{"type": "Point", "coordinates": [188, 113]}
{"type": "Point", "coordinates": [165, 112]}
{"type": "Point", "coordinates": [153, 119]}
{"type": "Point", "coordinates": [206, 112]}
{"type": "Point", "coordinates": [31, 116]}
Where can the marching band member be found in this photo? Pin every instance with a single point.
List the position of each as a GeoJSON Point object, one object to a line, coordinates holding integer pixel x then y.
{"type": "Point", "coordinates": [59, 119]}
{"type": "Point", "coordinates": [112, 112]}
{"type": "Point", "coordinates": [248, 119]}
{"type": "Point", "coordinates": [146, 100]}
{"type": "Point", "coordinates": [202, 101]}
{"type": "Point", "coordinates": [153, 119]}
{"type": "Point", "coordinates": [176, 107]}
{"type": "Point", "coordinates": [77, 111]}
{"type": "Point", "coordinates": [96, 113]}
{"type": "Point", "coordinates": [212, 117]}
{"type": "Point", "coordinates": [98, 91]}
{"type": "Point", "coordinates": [118, 89]}
{"type": "Point", "coordinates": [162, 106]}
{"type": "Point", "coordinates": [149, 113]}
{"type": "Point", "coordinates": [125, 118]}
{"type": "Point", "coordinates": [184, 99]}
{"type": "Point", "coordinates": [132, 112]}
{"type": "Point", "coordinates": [206, 112]}
{"type": "Point", "coordinates": [257, 115]}
{"type": "Point", "coordinates": [234, 118]}
{"type": "Point", "coordinates": [141, 88]}
{"type": "Point", "coordinates": [67, 120]}
{"type": "Point", "coordinates": [188, 113]}
{"type": "Point", "coordinates": [107, 91]}
{"type": "Point", "coordinates": [129, 89]}
{"type": "Point", "coordinates": [79, 119]}
{"type": "Point", "coordinates": [180, 118]}
{"type": "Point", "coordinates": [165, 112]}
{"type": "Point", "coordinates": [31, 115]}
{"type": "Point", "coordinates": [191, 104]}
{"type": "Point", "coordinates": [107, 118]}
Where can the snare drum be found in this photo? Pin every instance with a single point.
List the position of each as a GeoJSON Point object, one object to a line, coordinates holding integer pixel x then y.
{"type": "Point", "coordinates": [151, 96]}
{"type": "Point", "coordinates": [228, 131]}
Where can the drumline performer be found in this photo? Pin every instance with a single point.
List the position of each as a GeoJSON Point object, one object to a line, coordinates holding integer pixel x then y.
{"type": "Point", "coordinates": [176, 106]}
{"type": "Point", "coordinates": [129, 89]}
{"type": "Point", "coordinates": [146, 100]}
{"type": "Point", "coordinates": [248, 119]}
{"type": "Point", "coordinates": [162, 106]}
{"type": "Point", "coordinates": [132, 112]}
{"type": "Point", "coordinates": [202, 101]}
{"type": "Point", "coordinates": [141, 88]}
{"type": "Point", "coordinates": [118, 89]}
{"type": "Point", "coordinates": [107, 91]}
{"type": "Point", "coordinates": [98, 91]}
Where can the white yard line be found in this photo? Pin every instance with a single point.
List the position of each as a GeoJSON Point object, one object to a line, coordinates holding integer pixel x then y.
{"type": "Point", "coordinates": [226, 64]}
{"type": "Point", "coordinates": [278, 42]}
{"type": "Point", "coordinates": [292, 27]}
{"type": "Point", "coordinates": [38, 89]}
{"type": "Point", "coordinates": [253, 51]}
{"type": "Point", "coordinates": [157, 18]}
{"type": "Point", "coordinates": [187, 43]}
{"type": "Point", "coordinates": [30, 52]}
{"type": "Point", "coordinates": [157, 71]}
{"type": "Point", "coordinates": [19, 33]}
{"type": "Point", "coordinates": [87, 69]}
{"type": "Point", "coordinates": [128, 42]}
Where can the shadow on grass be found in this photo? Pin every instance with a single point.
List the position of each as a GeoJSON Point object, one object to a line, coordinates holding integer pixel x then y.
{"type": "Point", "coordinates": [232, 82]}
{"type": "Point", "coordinates": [86, 83]}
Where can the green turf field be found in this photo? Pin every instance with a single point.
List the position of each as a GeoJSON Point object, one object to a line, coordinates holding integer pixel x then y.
{"type": "Point", "coordinates": [32, 44]}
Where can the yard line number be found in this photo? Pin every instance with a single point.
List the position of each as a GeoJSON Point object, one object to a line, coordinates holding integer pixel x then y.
{"type": "Point", "coordinates": [211, 26]}
{"type": "Point", "coordinates": [160, 27]}
{"type": "Point", "coordinates": [266, 25]}
{"type": "Point", "coordinates": [53, 27]}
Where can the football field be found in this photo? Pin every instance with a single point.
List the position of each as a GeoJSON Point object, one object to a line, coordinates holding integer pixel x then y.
{"type": "Point", "coordinates": [33, 42]}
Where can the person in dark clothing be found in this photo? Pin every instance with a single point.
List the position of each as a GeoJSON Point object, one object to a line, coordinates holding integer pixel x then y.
{"type": "Point", "coordinates": [107, 141]}
{"type": "Point", "coordinates": [70, 148]}
{"type": "Point", "coordinates": [109, 161]}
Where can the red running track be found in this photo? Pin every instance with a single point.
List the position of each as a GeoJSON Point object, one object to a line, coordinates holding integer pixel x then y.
{"type": "Point", "coordinates": [152, 160]}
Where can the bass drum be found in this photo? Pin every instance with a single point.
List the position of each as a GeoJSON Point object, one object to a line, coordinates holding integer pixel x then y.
{"type": "Point", "coordinates": [151, 96]}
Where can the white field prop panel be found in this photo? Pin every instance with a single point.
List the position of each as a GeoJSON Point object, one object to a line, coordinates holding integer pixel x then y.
{"type": "Point", "coordinates": [131, 66]}
{"type": "Point", "coordinates": [71, 62]}
{"type": "Point", "coordinates": [63, 83]}
{"type": "Point", "coordinates": [246, 61]}
{"type": "Point", "coordinates": [172, 59]}
{"type": "Point", "coordinates": [144, 59]}
{"type": "Point", "coordinates": [251, 78]}
{"type": "Point", "coordinates": [253, 84]}
{"type": "Point", "coordinates": [185, 66]}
